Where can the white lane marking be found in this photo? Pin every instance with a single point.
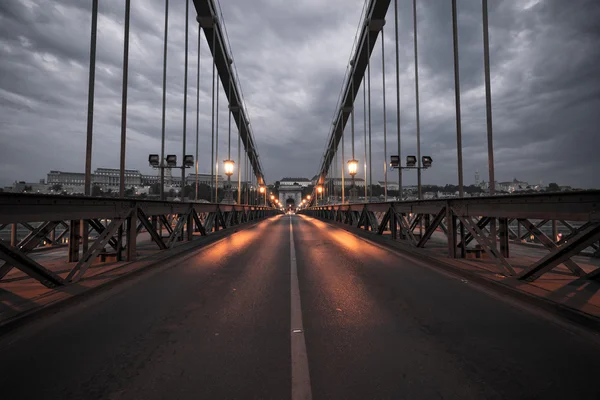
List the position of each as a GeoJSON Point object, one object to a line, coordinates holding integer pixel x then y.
{"type": "Point", "coordinates": [300, 376]}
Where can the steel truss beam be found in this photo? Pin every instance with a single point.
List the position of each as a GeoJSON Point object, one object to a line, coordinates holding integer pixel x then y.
{"type": "Point", "coordinates": [549, 244]}
{"type": "Point", "coordinates": [128, 217]}
{"type": "Point", "coordinates": [561, 254]}
{"type": "Point", "coordinates": [20, 261]}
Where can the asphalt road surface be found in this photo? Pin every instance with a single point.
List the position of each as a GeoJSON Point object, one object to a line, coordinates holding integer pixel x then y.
{"type": "Point", "coordinates": [227, 323]}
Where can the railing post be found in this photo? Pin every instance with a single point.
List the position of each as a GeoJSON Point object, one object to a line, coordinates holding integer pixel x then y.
{"type": "Point", "coordinates": [451, 227]}
{"type": "Point", "coordinates": [393, 223]}
{"type": "Point", "coordinates": [132, 235]}
{"type": "Point", "coordinates": [190, 226]}
{"type": "Point", "coordinates": [554, 231]}
{"type": "Point", "coordinates": [13, 235]}
{"type": "Point", "coordinates": [74, 240]}
{"type": "Point", "coordinates": [53, 236]}
{"type": "Point", "coordinates": [503, 233]}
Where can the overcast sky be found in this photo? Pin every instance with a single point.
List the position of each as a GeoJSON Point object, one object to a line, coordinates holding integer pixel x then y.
{"type": "Point", "coordinates": [291, 57]}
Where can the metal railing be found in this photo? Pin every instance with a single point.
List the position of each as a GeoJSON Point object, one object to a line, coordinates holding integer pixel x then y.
{"type": "Point", "coordinates": [485, 221]}
{"type": "Point", "coordinates": [91, 227]}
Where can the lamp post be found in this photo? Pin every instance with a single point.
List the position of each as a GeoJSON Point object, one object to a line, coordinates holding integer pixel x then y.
{"type": "Point", "coordinates": [229, 166]}
{"type": "Point", "coordinates": [319, 191]}
{"type": "Point", "coordinates": [352, 170]}
{"type": "Point", "coordinates": [262, 190]}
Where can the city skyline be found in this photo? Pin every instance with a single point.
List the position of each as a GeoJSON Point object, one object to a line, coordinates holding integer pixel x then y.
{"type": "Point", "coordinates": [544, 117]}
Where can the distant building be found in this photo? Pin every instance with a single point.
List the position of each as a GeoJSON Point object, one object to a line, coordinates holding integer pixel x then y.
{"type": "Point", "coordinates": [304, 182]}
{"type": "Point", "coordinates": [514, 186]}
{"type": "Point", "coordinates": [390, 185]}
{"type": "Point", "coordinates": [337, 182]}
{"type": "Point", "coordinates": [29, 187]}
{"type": "Point", "coordinates": [207, 179]}
{"type": "Point", "coordinates": [477, 178]}
{"type": "Point", "coordinates": [104, 177]}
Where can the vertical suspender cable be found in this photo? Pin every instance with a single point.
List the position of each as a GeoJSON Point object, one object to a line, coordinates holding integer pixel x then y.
{"type": "Point", "coordinates": [343, 172]}
{"type": "Point", "coordinates": [164, 102]}
{"type": "Point", "coordinates": [488, 98]}
{"type": "Point", "coordinates": [197, 109]}
{"type": "Point", "coordinates": [419, 183]}
{"type": "Point", "coordinates": [239, 157]}
{"type": "Point", "coordinates": [212, 146]}
{"type": "Point", "coordinates": [398, 99]}
{"type": "Point", "coordinates": [419, 187]}
{"type": "Point", "coordinates": [124, 99]}
{"type": "Point", "coordinates": [488, 108]}
{"type": "Point", "coordinates": [365, 132]}
{"type": "Point", "coordinates": [91, 87]}
{"type": "Point", "coordinates": [461, 188]}
{"type": "Point", "coordinates": [217, 146]}
{"type": "Point", "coordinates": [384, 118]}
{"type": "Point", "coordinates": [369, 107]}
{"type": "Point", "coordinates": [185, 91]}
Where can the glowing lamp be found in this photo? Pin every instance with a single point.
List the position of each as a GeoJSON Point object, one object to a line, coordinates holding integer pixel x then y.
{"type": "Point", "coordinates": [352, 167]}
{"type": "Point", "coordinates": [229, 164]}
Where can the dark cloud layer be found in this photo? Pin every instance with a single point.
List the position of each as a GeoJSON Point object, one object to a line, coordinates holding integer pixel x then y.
{"type": "Point", "coordinates": [291, 58]}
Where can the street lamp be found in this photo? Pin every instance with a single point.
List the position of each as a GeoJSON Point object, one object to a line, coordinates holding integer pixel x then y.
{"type": "Point", "coordinates": [229, 166]}
{"type": "Point", "coordinates": [352, 170]}
{"type": "Point", "coordinates": [262, 190]}
{"type": "Point", "coordinates": [319, 191]}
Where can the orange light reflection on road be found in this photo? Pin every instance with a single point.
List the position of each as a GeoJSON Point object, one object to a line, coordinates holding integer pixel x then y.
{"type": "Point", "coordinates": [218, 253]}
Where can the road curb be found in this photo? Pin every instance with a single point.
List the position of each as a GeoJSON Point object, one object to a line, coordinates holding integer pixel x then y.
{"type": "Point", "coordinates": [56, 306]}
{"type": "Point", "coordinates": [573, 315]}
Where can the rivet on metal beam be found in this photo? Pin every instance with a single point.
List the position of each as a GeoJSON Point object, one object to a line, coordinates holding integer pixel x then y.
{"type": "Point", "coordinates": [376, 25]}
{"type": "Point", "coordinates": [229, 60]}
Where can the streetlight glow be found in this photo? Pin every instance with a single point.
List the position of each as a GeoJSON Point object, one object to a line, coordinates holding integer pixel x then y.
{"type": "Point", "coordinates": [352, 167]}
{"type": "Point", "coordinates": [229, 165]}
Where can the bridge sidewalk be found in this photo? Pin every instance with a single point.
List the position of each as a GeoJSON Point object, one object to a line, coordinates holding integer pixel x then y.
{"type": "Point", "coordinates": [560, 291]}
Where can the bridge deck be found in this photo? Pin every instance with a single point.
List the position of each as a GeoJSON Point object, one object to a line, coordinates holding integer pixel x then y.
{"type": "Point", "coordinates": [216, 325]}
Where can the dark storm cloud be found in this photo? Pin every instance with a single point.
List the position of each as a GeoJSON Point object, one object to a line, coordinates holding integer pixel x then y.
{"type": "Point", "coordinates": [291, 58]}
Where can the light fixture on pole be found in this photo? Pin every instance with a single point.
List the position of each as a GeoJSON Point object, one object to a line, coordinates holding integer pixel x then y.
{"type": "Point", "coordinates": [411, 163]}
{"type": "Point", "coordinates": [352, 170]}
{"type": "Point", "coordinates": [319, 191]}
{"type": "Point", "coordinates": [171, 162]}
{"type": "Point", "coordinates": [229, 166]}
{"type": "Point", "coordinates": [262, 190]}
